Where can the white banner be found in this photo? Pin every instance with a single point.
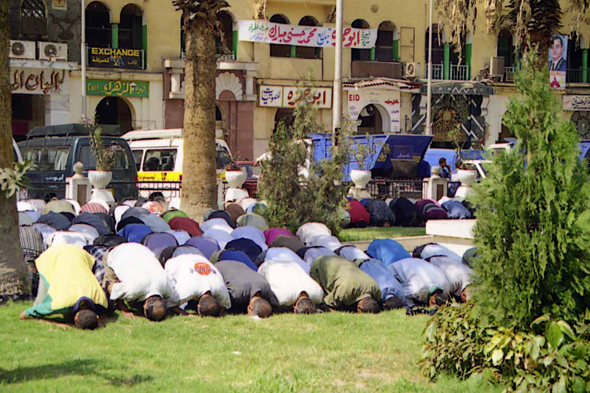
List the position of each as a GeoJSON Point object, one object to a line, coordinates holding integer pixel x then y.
{"type": "Point", "coordinates": [314, 36]}
{"type": "Point", "coordinates": [287, 96]}
{"type": "Point", "coordinates": [576, 103]}
{"type": "Point", "coordinates": [38, 81]}
{"type": "Point", "coordinates": [386, 100]}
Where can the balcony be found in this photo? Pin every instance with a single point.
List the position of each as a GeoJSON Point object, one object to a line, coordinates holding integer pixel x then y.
{"type": "Point", "coordinates": [437, 71]}
{"type": "Point", "coordinates": [460, 72]}
{"type": "Point", "coordinates": [376, 69]}
{"type": "Point", "coordinates": [116, 58]}
{"type": "Point", "coordinates": [508, 74]}
{"type": "Point", "coordinates": [577, 75]}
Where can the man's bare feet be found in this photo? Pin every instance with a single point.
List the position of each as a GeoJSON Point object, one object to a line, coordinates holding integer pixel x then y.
{"type": "Point", "coordinates": [24, 316]}
{"type": "Point", "coordinates": [128, 314]}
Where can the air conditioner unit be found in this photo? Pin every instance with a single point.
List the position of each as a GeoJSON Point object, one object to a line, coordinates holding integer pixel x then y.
{"type": "Point", "coordinates": [53, 51]}
{"type": "Point", "coordinates": [411, 70]}
{"type": "Point", "coordinates": [497, 66]}
{"type": "Point", "coordinates": [22, 50]}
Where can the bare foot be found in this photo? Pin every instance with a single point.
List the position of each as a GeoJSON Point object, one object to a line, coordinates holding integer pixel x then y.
{"type": "Point", "coordinates": [128, 314]}
{"type": "Point", "coordinates": [24, 316]}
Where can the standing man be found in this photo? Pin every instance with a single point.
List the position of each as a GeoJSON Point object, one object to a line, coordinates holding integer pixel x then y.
{"type": "Point", "coordinates": [134, 275]}
{"type": "Point", "coordinates": [249, 291]}
{"type": "Point", "coordinates": [445, 169]}
{"type": "Point", "coordinates": [195, 278]}
{"type": "Point", "coordinates": [346, 287]}
{"type": "Point", "coordinates": [67, 286]}
{"type": "Point", "coordinates": [293, 287]}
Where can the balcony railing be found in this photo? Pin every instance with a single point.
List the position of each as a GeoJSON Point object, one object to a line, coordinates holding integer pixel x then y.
{"type": "Point", "coordinates": [508, 74]}
{"type": "Point", "coordinates": [576, 75]}
{"type": "Point", "coordinates": [437, 71]}
{"type": "Point", "coordinates": [460, 72]}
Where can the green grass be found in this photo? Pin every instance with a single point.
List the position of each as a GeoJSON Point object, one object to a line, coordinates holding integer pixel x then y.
{"type": "Point", "coordinates": [286, 353]}
{"type": "Point", "coordinates": [360, 234]}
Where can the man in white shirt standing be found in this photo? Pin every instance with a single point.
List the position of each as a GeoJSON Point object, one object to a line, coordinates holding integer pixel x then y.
{"type": "Point", "coordinates": [133, 274]}
{"type": "Point", "coordinates": [293, 287]}
{"type": "Point", "coordinates": [195, 278]}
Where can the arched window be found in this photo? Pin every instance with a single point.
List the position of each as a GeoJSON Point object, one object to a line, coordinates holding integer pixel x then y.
{"type": "Point", "coordinates": [308, 52]}
{"type": "Point", "coordinates": [98, 25]}
{"type": "Point", "coordinates": [361, 54]}
{"type": "Point", "coordinates": [384, 45]}
{"type": "Point", "coordinates": [131, 28]}
{"type": "Point", "coordinates": [227, 25]}
{"type": "Point", "coordinates": [33, 17]}
{"type": "Point", "coordinates": [506, 47]}
{"type": "Point", "coordinates": [280, 50]}
{"type": "Point", "coordinates": [574, 59]}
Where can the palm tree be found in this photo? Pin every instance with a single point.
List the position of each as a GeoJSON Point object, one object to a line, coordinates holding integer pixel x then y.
{"type": "Point", "coordinates": [199, 185]}
{"type": "Point", "coordinates": [13, 272]}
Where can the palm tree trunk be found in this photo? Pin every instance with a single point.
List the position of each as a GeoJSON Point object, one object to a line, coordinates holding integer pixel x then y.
{"type": "Point", "coordinates": [13, 272]}
{"type": "Point", "coordinates": [199, 184]}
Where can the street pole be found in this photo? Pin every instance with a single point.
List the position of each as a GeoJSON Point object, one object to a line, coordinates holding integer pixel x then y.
{"type": "Point", "coordinates": [337, 110]}
{"type": "Point", "coordinates": [429, 94]}
{"type": "Point", "coordinates": [83, 60]}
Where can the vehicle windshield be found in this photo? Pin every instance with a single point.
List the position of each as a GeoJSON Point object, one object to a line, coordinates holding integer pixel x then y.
{"type": "Point", "coordinates": [222, 157]}
{"type": "Point", "coordinates": [122, 161]}
{"type": "Point", "coordinates": [47, 159]}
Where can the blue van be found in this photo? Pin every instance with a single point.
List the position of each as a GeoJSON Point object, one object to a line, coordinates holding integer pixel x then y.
{"type": "Point", "coordinates": [55, 150]}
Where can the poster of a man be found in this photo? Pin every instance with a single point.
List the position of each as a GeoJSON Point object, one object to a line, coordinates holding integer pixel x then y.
{"type": "Point", "coordinates": [558, 53]}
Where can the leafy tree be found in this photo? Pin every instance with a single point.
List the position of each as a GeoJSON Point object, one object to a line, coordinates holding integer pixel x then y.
{"type": "Point", "coordinates": [535, 254]}
{"type": "Point", "coordinates": [199, 184]}
{"type": "Point", "coordinates": [293, 198]}
{"type": "Point", "coordinates": [13, 272]}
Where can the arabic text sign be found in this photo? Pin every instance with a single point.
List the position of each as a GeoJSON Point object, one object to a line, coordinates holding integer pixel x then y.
{"type": "Point", "coordinates": [115, 58]}
{"type": "Point", "coordinates": [287, 96]}
{"type": "Point", "coordinates": [314, 36]}
{"type": "Point", "coordinates": [38, 81]}
{"type": "Point", "coordinates": [576, 103]}
{"type": "Point", "coordinates": [117, 88]}
{"type": "Point", "coordinates": [388, 100]}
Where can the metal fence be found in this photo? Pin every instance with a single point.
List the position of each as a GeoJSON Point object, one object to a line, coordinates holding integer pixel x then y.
{"type": "Point", "coordinates": [437, 71]}
{"type": "Point", "coordinates": [508, 74]}
{"type": "Point", "coordinates": [575, 75]}
{"type": "Point", "coordinates": [460, 72]}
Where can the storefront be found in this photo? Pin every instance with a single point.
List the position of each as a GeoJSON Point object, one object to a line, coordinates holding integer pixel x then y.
{"type": "Point", "coordinates": [579, 108]}
{"type": "Point", "coordinates": [235, 98]}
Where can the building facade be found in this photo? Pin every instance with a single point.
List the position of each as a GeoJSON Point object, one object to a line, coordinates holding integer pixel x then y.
{"type": "Point", "coordinates": [136, 66]}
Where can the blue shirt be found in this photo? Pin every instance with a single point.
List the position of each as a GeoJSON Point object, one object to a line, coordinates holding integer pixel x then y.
{"type": "Point", "coordinates": [387, 282]}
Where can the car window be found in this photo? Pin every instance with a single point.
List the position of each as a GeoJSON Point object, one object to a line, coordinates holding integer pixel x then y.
{"type": "Point", "coordinates": [122, 159]}
{"type": "Point", "coordinates": [47, 159]}
{"type": "Point", "coordinates": [137, 155]}
{"type": "Point", "coordinates": [222, 157]}
{"type": "Point", "coordinates": [159, 160]}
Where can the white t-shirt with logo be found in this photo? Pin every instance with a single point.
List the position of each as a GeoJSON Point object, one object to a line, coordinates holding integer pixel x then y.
{"type": "Point", "coordinates": [192, 276]}
{"type": "Point", "coordinates": [287, 280]}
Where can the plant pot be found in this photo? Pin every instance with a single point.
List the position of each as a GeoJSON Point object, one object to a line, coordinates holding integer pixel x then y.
{"type": "Point", "coordinates": [467, 177]}
{"type": "Point", "coordinates": [235, 179]}
{"type": "Point", "coordinates": [360, 178]}
{"type": "Point", "coordinates": [100, 179]}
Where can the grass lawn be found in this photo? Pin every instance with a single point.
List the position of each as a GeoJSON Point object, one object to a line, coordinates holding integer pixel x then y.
{"type": "Point", "coordinates": [314, 353]}
{"type": "Point", "coordinates": [360, 234]}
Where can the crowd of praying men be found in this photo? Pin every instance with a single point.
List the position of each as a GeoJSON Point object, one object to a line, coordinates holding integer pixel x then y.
{"type": "Point", "coordinates": [135, 257]}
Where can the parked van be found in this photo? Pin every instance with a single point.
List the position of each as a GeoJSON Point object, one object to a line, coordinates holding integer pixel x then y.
{"type": "Point", "coordinates": [159, 154]}
{"type": "Point", "coordinates": [55, 150]}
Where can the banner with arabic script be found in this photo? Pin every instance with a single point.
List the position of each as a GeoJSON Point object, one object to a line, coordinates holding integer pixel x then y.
{"type": "Point", "coordinates": [95, 87]}
{"type": "Point", "coordinates": [287, 96]}
{"type": "Point", "coordinates": [38, 81]}
{"type": "Point", "coordinates": [315, 36]}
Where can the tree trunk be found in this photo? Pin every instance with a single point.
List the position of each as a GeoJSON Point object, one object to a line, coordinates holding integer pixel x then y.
{"type": "Point", "coordinates": [13, 271]}
{"type": "Point", "coordinates": [199, 180]}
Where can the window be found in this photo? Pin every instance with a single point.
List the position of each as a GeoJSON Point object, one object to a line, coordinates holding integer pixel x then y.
{"type": "Point", "coordinates": [506, 48]}
{"type": "Point", "coordinates": [361, 54]}
{"type": "Point", "coordinates": [47, 159]}
{"type": "Point", "coordinates": [34, 18]}
{"type": "Point", "coordinates": [308, 52]}
{"type": "Point", "coordinates": [384, 44]}
{"type": "Point", "coordinates": [98, 25]}
{"type": "Point", "coordinates": [280, 50]}
{"type": "Point", "coordinates": [122, 160]}
{"type": "Point", "coordinates": [438, 48]}
{"type": "Point", "coordinates": [137, 156]}
{"type": "Point", "coordinates": [159, 160]}
{"type": "Point", "coordinates": [227, 25]}
{"type": "Point", "coordinates": [131, 28]}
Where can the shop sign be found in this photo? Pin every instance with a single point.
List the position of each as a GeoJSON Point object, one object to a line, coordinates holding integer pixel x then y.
{"type": "Point", "coordinates": [314, 36]}
{"type": "Point", "coordinates": [38, 81]}
{"type": "Point", "coordinates": [288, 96]}
{"type": "Point", "coordinates": [388, 100]}
{"type": "Point", "coordinates": [117, 88]}
{"type": "Point", "coordinates": [115, 58]}
{"type": "Point", "coordinates": [576, 103]}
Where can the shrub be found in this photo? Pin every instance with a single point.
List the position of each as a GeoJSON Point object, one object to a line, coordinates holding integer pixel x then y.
{"type": "Point", "coordinates": [294, 199]}
{"type": "Point", "coordinates": [552, 356]}
{"type": "Point", "coordinates": [534, 256]}
{"type": "Point", "coordinates": [105, 157]}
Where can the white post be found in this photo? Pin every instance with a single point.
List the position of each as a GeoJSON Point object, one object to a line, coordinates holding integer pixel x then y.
{"type": "Point", "coordinates": [429, 94]}
{"type": "Point", "coordinates": [83, 59]}
{"type": "Point", "coordinates": [337, 110]}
